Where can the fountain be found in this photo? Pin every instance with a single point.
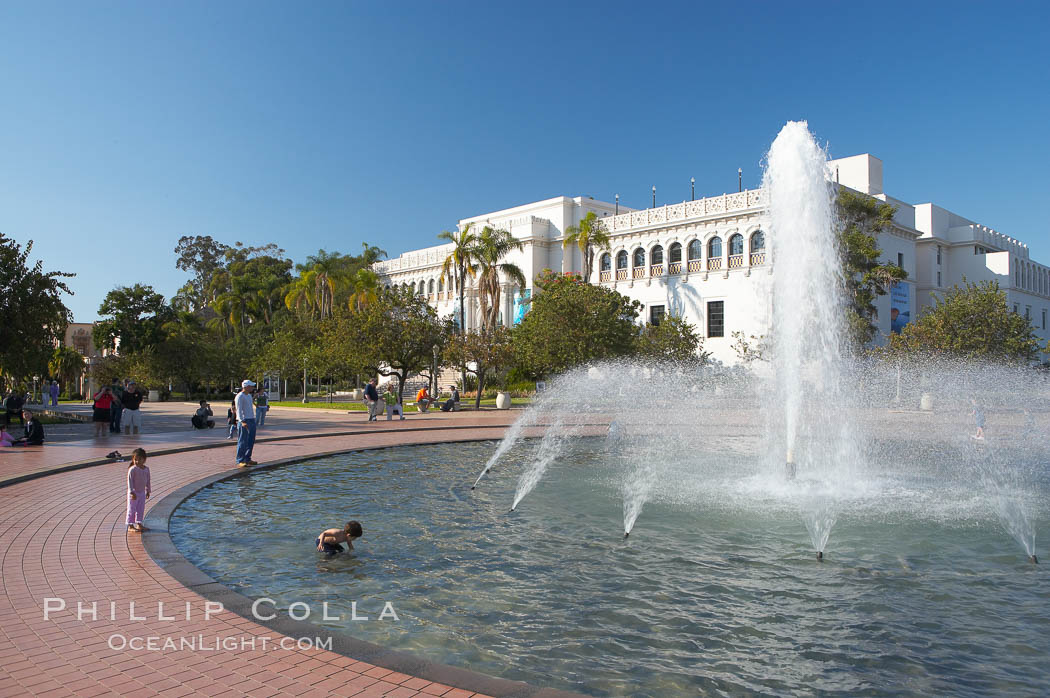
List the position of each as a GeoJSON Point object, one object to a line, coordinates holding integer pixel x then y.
{"type": "Point", "coordinates": [725, 483]}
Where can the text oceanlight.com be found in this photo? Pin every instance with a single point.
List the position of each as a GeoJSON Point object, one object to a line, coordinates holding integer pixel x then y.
{"type": "Point", "coordinates": [201, 643]}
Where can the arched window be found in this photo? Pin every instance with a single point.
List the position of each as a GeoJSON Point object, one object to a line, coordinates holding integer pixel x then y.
{"type": "Point", "coordinates": [675, 253]}
{"type": "Point", "coordinates": [441, 285]}
{"type": "Point", "coordinates": [657, 255]}
{"type": "Point", "coordinates": [422, 288]}
{"type": "Point", "coordinates": [736, 244]}
{"type": "Point", "coordinates": [639, 257]}
{"type": "Point", "coordinates": [621, 259]}
{"type": "Point", "coordinates": [606, 262]}
{"type": "Point", "coordinates": [694, 250]}
{"type": "Point", "coordinates": [714, 247]}
{"type": "Point", "coordinates": [758, 241]}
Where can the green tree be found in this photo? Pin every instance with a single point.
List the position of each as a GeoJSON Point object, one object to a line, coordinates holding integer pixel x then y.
{"type": "Point", "coordinates": [134, 315]}
{"type": "Point", "coordinates": [673, 340]}
{"type": "Point", "coordinates": [364, 285]}
{"type": "Point", "coordinates": [394, 336]}
{"type": "Point", "coordinates": [589, 235]}
{"type": "Point", "coordinates": [861, 219]}
{"type": "Point", "coordinates": [33, 317]}
{"type": "Point", "coordinates": [485, 353]}
{"type": "Point", "coordinates": [68, 365]}
{"type": "Point", "coordinates": [203, 256]}
{"type": "Point", "coordinates": [490, 248]}
{"type": "Point", "coordinates": [572, 323]}
{"type": "Point", "coordinates": [970, 322]}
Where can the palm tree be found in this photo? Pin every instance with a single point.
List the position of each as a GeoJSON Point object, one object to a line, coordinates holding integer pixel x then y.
{"type": "Point", "coordinates": [493, 244]}
{"type": "Point", "coordinates": [67, 364]}
{"type": "Point", "coordinates": [459, 263]}
{"type": "Point", "coordinates": [588, 235]}
{"type": "Point", "coordinates": [298, 296]}
{"type": "Point", "coordinates": [365, 288]}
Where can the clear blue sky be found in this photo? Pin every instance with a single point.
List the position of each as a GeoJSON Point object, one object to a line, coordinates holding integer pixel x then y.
{"type": "Point", "coordinates": [125, 125]}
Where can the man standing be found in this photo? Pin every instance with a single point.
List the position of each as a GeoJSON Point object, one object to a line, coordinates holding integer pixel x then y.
{"type": "Point", "coordinates": [132, 399]}
{"type": "Point", "coordinates": [246, 420]}
{"type": "Point", "coordinates": [372, 399]}
{"type": "Point", "coordinates": [13, 405]}
{"type": "Point", "coordinates": [54, 393]}
{"type": "Point", "coordinates": [262, 406]}
{"type": "Point", "coordinates": [117, 408]}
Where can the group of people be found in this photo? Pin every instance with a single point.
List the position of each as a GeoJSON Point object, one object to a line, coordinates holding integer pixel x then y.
{"type": "Point", "coordinates": [393, 406]}
{"type": "Point", "coordinates": [33, 431]}
{"type": "Point", "coordinates": [113, 406]}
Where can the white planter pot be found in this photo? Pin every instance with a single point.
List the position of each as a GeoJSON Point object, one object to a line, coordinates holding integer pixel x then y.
{"type": "Point", "coordinates": [502, 401]}
{"type": "Point", "coordinates": [154, 396]}
{"type": "Point", "coordinates": [926, 402]}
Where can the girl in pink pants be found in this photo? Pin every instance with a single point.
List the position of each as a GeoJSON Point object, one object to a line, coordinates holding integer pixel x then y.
{"type": "Point", "coordinates": [138, 489]}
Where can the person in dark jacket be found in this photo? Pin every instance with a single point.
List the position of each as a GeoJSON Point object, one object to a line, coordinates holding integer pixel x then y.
{"type": "Point", "coordinates": [34, 430]}
{"type": "Point", "coordinates": [13, 404]}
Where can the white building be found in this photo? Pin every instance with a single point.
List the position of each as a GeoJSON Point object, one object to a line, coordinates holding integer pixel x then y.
{"type": "Point", "coordinates": [708, 259]}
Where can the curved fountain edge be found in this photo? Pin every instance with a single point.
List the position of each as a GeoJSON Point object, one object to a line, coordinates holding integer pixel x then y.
{"type": "Point", "coordinates": [157, 541]}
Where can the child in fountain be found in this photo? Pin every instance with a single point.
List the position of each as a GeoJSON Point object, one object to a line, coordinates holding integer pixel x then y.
{"type": "Point", "coordinates": [978, 417]}
{"type": "Point", "coordinates": [138, 489]}
{"type": "Point", "coordinates": [329, 541]}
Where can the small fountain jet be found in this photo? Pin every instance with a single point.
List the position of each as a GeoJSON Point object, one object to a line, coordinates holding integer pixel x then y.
{"type": "Point", "coordinates": [1033, 559]}
{"type": "Point", "coordinates": [790, 469]}
{"type": "Point", "coordinates": [820, 556]}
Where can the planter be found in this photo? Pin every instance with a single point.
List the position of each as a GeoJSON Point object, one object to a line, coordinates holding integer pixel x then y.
{"type": "Point", "coordinates": [154, 396]}
{"type": "Point", "coordinates": [926, 402]}
{"type": "Point", "coordinates": [502, 401]}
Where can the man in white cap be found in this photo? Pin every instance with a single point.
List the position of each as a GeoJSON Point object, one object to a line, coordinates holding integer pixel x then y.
{"type": "Point", "coordinates": [246, 420]}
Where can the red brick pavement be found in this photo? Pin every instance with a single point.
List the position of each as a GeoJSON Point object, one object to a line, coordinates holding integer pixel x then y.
{"type": "Point", "coordinates": [63, 536]}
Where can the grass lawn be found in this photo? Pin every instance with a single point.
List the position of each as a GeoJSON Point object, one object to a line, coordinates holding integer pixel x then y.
{"type": "Point", "coordinates": [321, 404]}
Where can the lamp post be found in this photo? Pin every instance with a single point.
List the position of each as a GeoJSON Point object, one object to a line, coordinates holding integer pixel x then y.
{"type": "Point", "coordinates": [617, 205]}
{"type": "Point", "coordinates": [739, 179]}
{"type": "Point", "coordinates": [654, 196]}
{"type": "Point", "coordinates": [36, 379]}
{"type": "Point", "coordinates": [434, 370]}
{"type": "Point", "coordinates": [305, 398]}
{"type": "Point", "coordinates": [692, 188]}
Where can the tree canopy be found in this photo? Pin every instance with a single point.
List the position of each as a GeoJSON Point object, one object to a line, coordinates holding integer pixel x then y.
{"type": "Point", "coordinates": [572, 323]}
{"type": "Point", "coordinates": [861, 219]}
{"type": "Point", "coordinates": [33, 316]}
{"type": "Point", "coordinates": [970, 322]}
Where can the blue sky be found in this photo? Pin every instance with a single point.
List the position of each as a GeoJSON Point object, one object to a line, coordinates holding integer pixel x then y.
{"type": "Point", "coordinates": [125, 125]}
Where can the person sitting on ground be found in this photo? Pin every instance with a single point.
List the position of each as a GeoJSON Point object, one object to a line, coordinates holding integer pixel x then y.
{"type": "Point", "coordinates": [34, 430]}
{"type": "Point", "coordinates": [450, 404]}
{"type": "Point", "coordinates": [6, 439]}
{"type": "Point", "coordinates": [423, 399]}
{"type": "Point", "coordinates": [329, 540]}
{"type": "Point", "coordinates": [392, 405]}
{"type": "Point", "coordinates": [200, 417]}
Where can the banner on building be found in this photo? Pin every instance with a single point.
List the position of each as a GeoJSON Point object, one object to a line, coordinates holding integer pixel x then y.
{"type": "Point", "coordinates": [900, 306]}
{"type": "Point", "coordinates": [521, 305]}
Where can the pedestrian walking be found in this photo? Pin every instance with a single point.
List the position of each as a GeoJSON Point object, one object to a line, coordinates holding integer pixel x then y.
{"type": "Point", "coordinates": [246, 425]}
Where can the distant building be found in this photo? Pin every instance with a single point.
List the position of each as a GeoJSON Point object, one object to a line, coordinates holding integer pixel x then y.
{"type": "Point", "coordinates": [708, 260]}
{"type": "Point", "coordinates": [79, 336]}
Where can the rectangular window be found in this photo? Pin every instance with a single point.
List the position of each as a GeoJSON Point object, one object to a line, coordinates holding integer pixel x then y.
{"type": "Point", "coordinates": [900, 260]}
{"type": "Point", "coordinates": [1028, 313]}
{"type": "Point", "coordinates": [716, 318]}
{"type": "Point", "coordinates": [1044, 318]}
{"type": "Point", "coordinates": [656, 314]}
{"type": "Point", "coordinates": [938, 254]}
{"type": "Point", "coordinates": [1016, 308]}
{"type": "Point", "coordinates": [938, 279]}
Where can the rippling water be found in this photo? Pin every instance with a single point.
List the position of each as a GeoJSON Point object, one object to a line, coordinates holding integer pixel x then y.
{"type": "Point", "coordinates": [715, 592]}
